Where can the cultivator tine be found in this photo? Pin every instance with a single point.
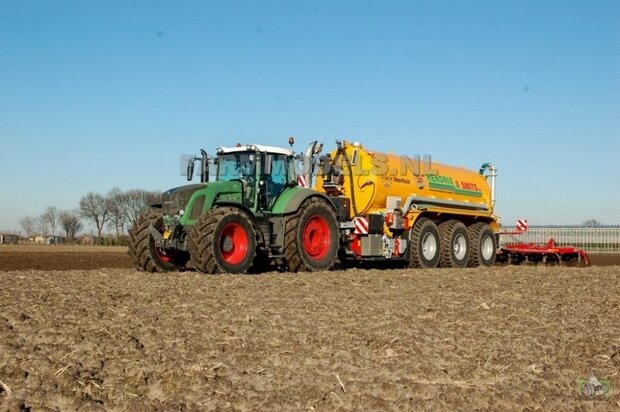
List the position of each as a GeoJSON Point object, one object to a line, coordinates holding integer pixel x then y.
{"type": "Point", "coordinates": [584, 259]}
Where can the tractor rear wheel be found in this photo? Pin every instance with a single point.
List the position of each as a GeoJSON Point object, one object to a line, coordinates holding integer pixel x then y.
{"type": "Point", "coordinates": [144, 253]}
{"type": "Point", "coordinates": [311, 237]}
{"type": "Point", "coordinates": [483, 245]}
{"type": "Point", "coordinates": [454, 249]}
{"type": "Point", "coordinates": [424, 244]}
{"type": "Point", "coordinates": [223, 241]}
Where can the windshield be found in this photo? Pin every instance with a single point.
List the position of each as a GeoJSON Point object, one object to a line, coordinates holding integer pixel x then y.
{"type": "Point", "coordinates": [236, 166]}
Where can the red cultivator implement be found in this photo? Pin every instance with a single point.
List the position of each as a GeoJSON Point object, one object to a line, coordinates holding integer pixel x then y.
{"type": "Point", "coordinates": [549, 253]}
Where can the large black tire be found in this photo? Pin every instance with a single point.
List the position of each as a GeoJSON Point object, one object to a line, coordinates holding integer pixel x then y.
{"type": "Point", "coordinates": [424, 244]}
{"type": "Point", "coordinates": [143, 252]}
{"type": "Point", "coordinates": [454, 249]}
{"type": "Point", "coordinates": [223, 241]}
{"type": "Point", "coordinates": [311, 237]}
{"type": "Point", "coordinates": [483, 246]}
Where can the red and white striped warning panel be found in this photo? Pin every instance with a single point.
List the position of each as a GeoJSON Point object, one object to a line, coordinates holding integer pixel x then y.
{"type": "Point", "coordinates": [521, 225]}
{"type": "Point", "coordinates": [361, 225]}
{"type": "Point", "coordinates": [301, 181]}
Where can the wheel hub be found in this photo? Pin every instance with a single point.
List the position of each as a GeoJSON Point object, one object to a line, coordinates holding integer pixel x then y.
{"type": "Point", "coordinates": [429, 246]}
{"type": "Point", "coordinates": [227, 244]}
{"type": "Point", "coordinates": [459, 247]}
{"type": "Point", "coordinates": [487, 248]}
{"type": "Point", "coordinates": [233, 243]}
{"type": "Point", "coordinates": [316, 237]}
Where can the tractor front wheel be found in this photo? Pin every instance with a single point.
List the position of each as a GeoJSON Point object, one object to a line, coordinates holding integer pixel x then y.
{"type": "Point", "coordinates": [223, 241]}
{"type": "Point", "coordinates": [143, 251]}
{"type": "Point", "coordinates": [311, 237]}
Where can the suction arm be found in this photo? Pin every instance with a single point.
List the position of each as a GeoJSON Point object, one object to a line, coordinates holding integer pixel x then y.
{"type": "Point", "coordinates": [490, 167]}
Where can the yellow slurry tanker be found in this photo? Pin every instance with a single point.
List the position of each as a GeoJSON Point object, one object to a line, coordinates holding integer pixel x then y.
{"type": "Point", "coordinates": [393, 207]}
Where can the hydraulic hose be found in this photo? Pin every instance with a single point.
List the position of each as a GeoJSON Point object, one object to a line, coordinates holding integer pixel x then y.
{"type": "Point", "coordinates": [348, 162]}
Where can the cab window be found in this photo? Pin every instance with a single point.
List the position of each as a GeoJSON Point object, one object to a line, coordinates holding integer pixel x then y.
{"type": "Point", "coordinates": [279, 169]}
{"type": "Point", "coordinates": [276, 173]}
{"type": "Point", "coordinates": [236, 166]}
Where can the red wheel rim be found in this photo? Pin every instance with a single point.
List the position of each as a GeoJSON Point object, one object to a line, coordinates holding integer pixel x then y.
{"type": "Point", "coordinates": [233, 243]}
{"type": "Point", "coordinates": [162, 255]}
{"type": "Point", "coordinates": [316, 237]}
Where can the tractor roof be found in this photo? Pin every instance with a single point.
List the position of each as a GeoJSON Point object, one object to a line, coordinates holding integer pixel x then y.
{"type": "Point", "coordinates": [255, 148]}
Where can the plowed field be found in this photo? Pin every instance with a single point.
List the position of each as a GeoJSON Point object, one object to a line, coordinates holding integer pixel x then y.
{"type": "Point", "coordinates": [111, 338]}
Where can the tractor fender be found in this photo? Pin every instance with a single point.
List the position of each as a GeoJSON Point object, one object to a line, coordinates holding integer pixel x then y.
{"type": "Point", "coordinates": [291, 200]}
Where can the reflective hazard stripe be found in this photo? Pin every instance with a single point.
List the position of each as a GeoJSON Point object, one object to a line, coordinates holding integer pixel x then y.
{"type": "Point", "coordinates": [361, 225]}
{"type": "Point", "coordinates": [522, 225]}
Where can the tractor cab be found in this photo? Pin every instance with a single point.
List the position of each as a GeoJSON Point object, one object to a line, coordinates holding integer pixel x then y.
{"type": "Point", "coordinates": [261, 173]}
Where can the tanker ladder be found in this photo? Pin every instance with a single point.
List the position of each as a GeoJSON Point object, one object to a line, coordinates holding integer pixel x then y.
{"type": "Point", "coordinates": [549, 253]}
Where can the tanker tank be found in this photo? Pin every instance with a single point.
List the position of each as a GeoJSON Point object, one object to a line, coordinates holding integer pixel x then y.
{"type": "Point", "coordinates": [372, 179]}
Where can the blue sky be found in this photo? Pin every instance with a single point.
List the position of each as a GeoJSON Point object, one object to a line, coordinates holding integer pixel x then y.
{"type": "Point", "coordinates": [100, 94]}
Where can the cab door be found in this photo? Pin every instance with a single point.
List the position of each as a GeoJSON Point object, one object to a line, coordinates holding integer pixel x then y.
{"type": "Point", "coordinates": [277, 176]}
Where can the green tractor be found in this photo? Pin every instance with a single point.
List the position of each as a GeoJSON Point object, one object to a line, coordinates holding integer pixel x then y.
{"type": "Point", "coordinates": [250, 216]}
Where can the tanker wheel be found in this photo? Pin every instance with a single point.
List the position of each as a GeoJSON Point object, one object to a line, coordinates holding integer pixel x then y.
{"type": "Point", "coordinates": [482, 245]}
{"type": "Point", "coordinates": [454, 248]}
{"type": "Point", "coordinates": [222, 241]}
{"type": "Point", "coordinates": [144, 254]}
{"type": "Point", "coordinates": [424, 244]}
{"type": "Point", "coordinates": [311, 237]}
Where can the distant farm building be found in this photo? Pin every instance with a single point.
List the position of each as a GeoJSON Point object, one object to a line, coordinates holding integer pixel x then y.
{"type": "Point", "coordinates": [46, 240]}
{"type": "Point", "coordinates": [9, 239]}
{"type": "Point", "coordinates": [90, 240]}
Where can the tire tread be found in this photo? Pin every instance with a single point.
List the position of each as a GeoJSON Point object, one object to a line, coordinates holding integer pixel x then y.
{"type": "Point", "coordinates": [200, 242]}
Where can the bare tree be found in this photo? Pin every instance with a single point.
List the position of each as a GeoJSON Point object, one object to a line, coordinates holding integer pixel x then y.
{"type": "Point", "coordinates": [50, 219]}
{"type": "Point", "coordinates": [138, 201]}
{"type": "Point", "coordinates": [43, 226]}
{"type": "Point", "coordinates": [118, 218]}
{"type": "Point", "coordinates": [95, 208]}
{"type": "Point", "coordinates": [28, 223]}
{"type": "Point", "coordinates": [70, 222]}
